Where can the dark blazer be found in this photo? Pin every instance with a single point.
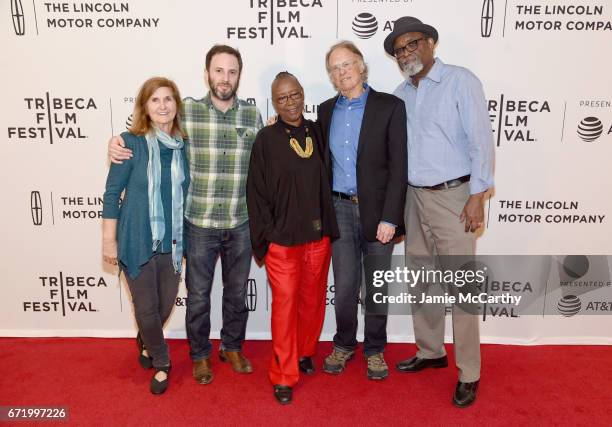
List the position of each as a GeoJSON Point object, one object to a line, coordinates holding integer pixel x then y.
{"type": "Point", "coordinates": [381, 160]}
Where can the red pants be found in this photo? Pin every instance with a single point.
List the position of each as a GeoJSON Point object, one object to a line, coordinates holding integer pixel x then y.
{"type": "Point", "coordinates": [298, 279]}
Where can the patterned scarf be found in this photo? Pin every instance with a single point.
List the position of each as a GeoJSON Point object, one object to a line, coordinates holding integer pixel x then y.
{"type": "Point", "coordinates": [156, 210]}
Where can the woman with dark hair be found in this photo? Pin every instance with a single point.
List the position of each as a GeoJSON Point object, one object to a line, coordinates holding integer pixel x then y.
{"type": "Point", "coordinates": [143, 233]}
{"type": "Point", "coordinates": [291, 218]}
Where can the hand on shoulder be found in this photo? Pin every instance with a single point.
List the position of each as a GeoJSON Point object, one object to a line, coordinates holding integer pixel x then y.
{"type": "Point", "coordinates": [117, 152]}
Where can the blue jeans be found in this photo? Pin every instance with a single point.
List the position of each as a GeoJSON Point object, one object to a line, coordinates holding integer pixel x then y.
{"type": "Point", "coordinates": [203, 246]}
{"type": "Point", "coordinates": [347, 259]}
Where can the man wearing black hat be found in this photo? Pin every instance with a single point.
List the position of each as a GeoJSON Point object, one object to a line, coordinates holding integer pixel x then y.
{"type": "Point", "coordinates": [450, 157]}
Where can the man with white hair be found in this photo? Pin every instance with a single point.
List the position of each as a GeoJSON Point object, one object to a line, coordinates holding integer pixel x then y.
{"type": "Point", "coordinates": [365, 133]}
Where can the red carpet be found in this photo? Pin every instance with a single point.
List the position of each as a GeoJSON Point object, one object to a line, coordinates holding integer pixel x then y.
{"type": "Point", "coordinates": [100, 381]}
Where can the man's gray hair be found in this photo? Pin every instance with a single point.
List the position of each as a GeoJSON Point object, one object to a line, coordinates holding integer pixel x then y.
{"type": "Point", "coordinates": [351, 47]}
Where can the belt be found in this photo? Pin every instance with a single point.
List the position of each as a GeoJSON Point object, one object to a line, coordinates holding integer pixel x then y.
{"type": "Point", "coordinates": [345, 196]}
{"type": "Point", "coordinates": [445, 185]}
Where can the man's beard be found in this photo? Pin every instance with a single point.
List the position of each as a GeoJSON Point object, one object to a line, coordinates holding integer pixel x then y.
{"type": "Point", "coordinates": [222, 96]}
{"type": "Point", "coordinates": [411, 68]}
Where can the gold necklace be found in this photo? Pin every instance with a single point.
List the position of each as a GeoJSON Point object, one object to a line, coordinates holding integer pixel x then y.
{"type": "Point", "coordinates": [296, 145]}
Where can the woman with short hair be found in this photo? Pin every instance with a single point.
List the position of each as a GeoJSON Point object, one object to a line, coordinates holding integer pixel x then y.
{"type": "Point", "coordinates": [292, 220]}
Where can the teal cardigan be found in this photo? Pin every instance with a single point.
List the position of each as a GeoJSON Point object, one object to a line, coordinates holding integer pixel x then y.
{"type": "Point", "coordinates": [135, 244]}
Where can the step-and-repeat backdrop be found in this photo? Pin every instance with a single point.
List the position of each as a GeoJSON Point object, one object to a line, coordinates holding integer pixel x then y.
{"type": "Point", "coordinates": [71, 70]}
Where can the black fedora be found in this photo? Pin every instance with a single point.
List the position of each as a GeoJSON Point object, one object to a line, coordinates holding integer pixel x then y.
{"type": "Point", "coordinates": [408, 24]}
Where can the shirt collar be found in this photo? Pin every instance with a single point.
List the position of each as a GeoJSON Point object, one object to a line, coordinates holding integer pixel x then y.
{"type": "Point", "coordinates": [287, 125]}
{"type": "Point", "coordinates": [208, 101]}
{"type": "Point", "coordinates": [435, 74]}
{"type": "Point", "coordinates": [360, 100]}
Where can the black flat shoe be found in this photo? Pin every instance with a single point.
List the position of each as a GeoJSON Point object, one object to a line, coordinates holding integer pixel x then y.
{"type": "Point", "coordinates": [283, 394]}
{"type": "Point", "coordinates": [158, 387]}
{"type": "Point", "coordinates": [145, 361]}
{"type": "Point", "coordinates": [465, 394]}
{"type": "Point", "coordinates": [417, 364]}
{"type": "Point", "coordinates": [306, 365]}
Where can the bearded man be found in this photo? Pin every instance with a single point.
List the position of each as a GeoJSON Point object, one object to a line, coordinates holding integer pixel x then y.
{"type": "Point", "coordinates": [450, 168]}
{"type": "Point", "coordinates": [221, 130]}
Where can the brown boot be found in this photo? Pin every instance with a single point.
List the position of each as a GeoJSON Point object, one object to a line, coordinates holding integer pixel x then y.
{"type": "Point", "coordinates": [240, 364]}
{"type": "Point", "coordinates": [336, 361]}
{"type": "Point", "coordinates": [202, 371]}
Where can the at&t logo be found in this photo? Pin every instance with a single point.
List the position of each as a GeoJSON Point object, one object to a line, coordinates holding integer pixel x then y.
{"type": "Point", "coordinates": [129, 121]}
{"type": "Point", "coordinates": [365, 25]}
{"type": "Point", "coordinates": [569, 305]}
{"type": "Point", "coordinates": [591, 128]}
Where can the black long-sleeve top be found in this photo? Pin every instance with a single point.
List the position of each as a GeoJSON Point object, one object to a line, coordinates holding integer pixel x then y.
{"type": "Point", "coordinates": [288, 197]}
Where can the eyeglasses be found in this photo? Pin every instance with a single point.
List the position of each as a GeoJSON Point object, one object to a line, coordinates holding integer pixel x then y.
{"type": "Point", "coordinates": [346, 65]}
{"type": "Point", "coordinates": [295, 96]}
{"type": "Point", "coordinates": [409, 47]}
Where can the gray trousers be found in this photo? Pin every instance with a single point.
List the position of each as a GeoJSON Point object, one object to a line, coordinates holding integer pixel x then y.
{"type": "Point", "coordinates": [154, 294]}
{"type": "Point", "coordinates": [433, 228]}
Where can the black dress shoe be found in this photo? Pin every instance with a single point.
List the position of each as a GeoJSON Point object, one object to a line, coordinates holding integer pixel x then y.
{"type": "Point", "coordinates": [306, 365]}
{"type": "Point", "coordinates": [417, 364]}
{"type": "Point", "coordinates": [282, 393]}
{"type": "Point", "coordinates": [158, 387]}
{"type": "Point", "coordinates": [145, 361]}
{"type": "Point", "coordinates": [465, 394]}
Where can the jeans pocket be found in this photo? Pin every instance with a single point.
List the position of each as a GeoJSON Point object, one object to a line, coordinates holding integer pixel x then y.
{"type": "Point", "coordinates": [197, 239]}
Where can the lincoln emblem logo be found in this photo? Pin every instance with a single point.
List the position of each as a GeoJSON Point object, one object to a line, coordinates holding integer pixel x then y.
{"type": "Point", "coordinates": [486, 18]}
{"type": "Point", "coordinates": [18, 20]}
{"type": "Point", "coordinates": [251, 295]}
{"type": "Point", "coordinates": [36, 207]}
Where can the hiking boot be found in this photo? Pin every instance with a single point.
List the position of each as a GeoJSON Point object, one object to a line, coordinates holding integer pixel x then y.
{"type": "Point", "coordinates": [377, 367]}
{"type": "Point", "coordinates": [335, 362]}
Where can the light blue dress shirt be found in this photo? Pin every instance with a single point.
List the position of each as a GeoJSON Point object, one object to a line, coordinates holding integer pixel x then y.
{"type": "Point", "coordinates": [449, 129]}
{"type": "Point", "coordinates": [344, 140]}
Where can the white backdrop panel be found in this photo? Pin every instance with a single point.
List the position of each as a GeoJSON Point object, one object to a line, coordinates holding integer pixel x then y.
{"type": "Point", "coordinates": [72, 68]}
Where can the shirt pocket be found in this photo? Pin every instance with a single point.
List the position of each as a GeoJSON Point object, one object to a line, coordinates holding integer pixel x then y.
{"type": "Point", "coordinates": [444, 113]}
{"type": "Point", "coordinates": [246, 134]}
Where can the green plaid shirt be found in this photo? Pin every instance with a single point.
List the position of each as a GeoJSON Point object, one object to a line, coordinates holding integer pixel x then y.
{"type": "Point", "coordinates": [219, 149]}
